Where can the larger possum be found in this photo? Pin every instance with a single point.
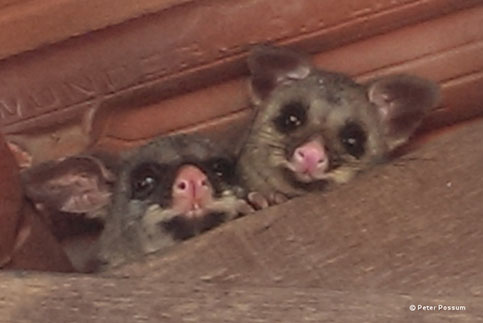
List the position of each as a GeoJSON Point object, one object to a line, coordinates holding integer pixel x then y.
{"type": "Point", "coordinates": [314, 127]}
{"type": "Point", "coordinates": [153, 197]}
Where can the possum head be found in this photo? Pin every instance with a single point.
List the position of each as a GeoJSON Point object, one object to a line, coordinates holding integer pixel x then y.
{"type": "Point", "coordinates": [168, 191]}
{"type": "Point", "coordinates": [313, 126]}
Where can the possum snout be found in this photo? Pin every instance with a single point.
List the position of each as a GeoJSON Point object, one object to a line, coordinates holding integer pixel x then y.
{"type": "Point", "coordinates": [310, 157]}
{"type": "Point", "coordinates": [192, 190]}
{"type": "Point", "coordinates": [309, 161]}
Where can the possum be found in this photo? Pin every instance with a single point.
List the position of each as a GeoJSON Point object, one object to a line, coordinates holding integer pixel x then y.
{"type": "Point", "coordinates": [153, 197]}
{"type": "Point", "coordinates": [167, 191]}
{"type": "Point", "coordinates": [314, 127]}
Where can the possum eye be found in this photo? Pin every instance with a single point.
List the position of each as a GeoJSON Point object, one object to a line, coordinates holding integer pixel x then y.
{"type": "Point", "coordinates": [353, 138]}
{"type": "Point", "coordinates": [292, 116]}
{"type": "Point", "coordinates": [144, 180]}
{"type": "Point", "coordinates": [222, 167]}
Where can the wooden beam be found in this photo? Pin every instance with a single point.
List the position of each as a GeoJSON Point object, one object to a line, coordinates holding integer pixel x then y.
{"type": "Point", "coordinates": [405, 233]}
{"type": "Point", "coordinates": [26, 25]}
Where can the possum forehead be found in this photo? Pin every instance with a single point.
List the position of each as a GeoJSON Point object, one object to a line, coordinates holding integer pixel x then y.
{"type": "Point", "coordinates": [196, 148]}
{"type": "Point", "coordinates": [172, 151]}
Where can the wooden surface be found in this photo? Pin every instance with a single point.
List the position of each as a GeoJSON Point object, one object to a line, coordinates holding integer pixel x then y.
{"type": "Point", "coordinates": [121, 85]}
{"type": "Point", "coordinates": [10, 202]}
{"type": "Point", "coordinates": [26, 25]}
{"type": "Point", "coordinates": [408, 232]}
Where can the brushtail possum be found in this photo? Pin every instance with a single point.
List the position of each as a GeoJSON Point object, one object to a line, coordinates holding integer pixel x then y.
{"type": "Point", "coordinates": [155, 196]}
{"type": "Point", "coordinates": [167, 191]}
{"type": "Point", "coordinates": [315, 127]}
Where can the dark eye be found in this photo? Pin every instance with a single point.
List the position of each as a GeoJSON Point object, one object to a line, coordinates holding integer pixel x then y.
{"type": "Point", "coordinates": [144, 180]}
{"type": "Point", "coordinates": [292, 116]}
{"type": "Point", "coordinates": [222, 167]}
{"type": "Point", "coordinates": [353, 138]}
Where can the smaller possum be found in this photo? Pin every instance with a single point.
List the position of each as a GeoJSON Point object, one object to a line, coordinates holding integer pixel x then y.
{"type": "Point", "coordinates": [105, 213]}
{"type": "Point", "coordinates": [315, 127]}
{"type": "Point", "coordinates": [167, 191]}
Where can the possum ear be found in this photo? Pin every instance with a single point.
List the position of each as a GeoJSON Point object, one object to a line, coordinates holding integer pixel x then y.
{"type": "Point", "coordinates": [402, 101]}
{"type": "Point", "coordinates": [270, 66]}
{"type": "Point", "coordinates": [78, 184]}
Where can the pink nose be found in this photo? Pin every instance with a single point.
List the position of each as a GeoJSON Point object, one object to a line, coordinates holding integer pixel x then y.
{"type": "Point", "coordinates": [191, 191]}
{"type": "Point", "coordinates": [192, 183]}
{"type": "Point", "coordinates": [309, 157]}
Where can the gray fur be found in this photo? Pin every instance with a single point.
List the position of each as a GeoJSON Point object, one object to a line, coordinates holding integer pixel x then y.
{"type": "Point", "coordinates": [334, 100]}
{"type": "Point", "coordinates": [128, 234]}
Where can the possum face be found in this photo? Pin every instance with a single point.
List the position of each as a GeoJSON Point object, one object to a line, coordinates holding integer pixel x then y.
{"type": "Point", "coordinates": [170, 190]}
{"type": "Point", "coordinates": [314, 126]}
{"type": "Point", "coordinates": [105, 212]}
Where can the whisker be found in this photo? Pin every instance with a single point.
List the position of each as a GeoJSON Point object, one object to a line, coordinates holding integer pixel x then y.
{"type": "Point", "coordinates": [407, 158]}
{"type": "Point", "coordinates": [276, 149]}
{"type": "Point", "coordinates": [401, 162]}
